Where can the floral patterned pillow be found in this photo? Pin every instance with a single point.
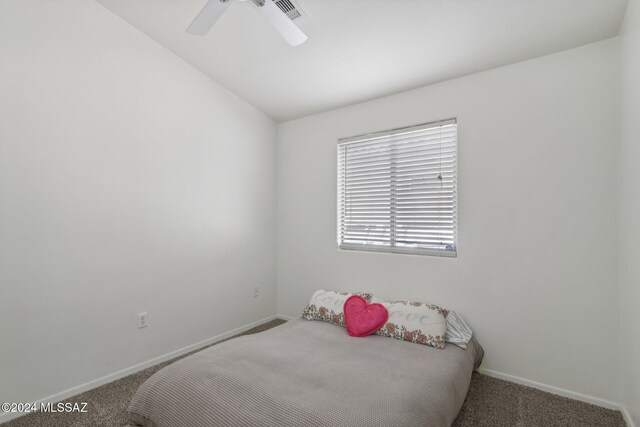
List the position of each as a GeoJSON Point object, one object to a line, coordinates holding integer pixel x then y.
{"type": "Point", "coordinates": [415, 322]}
{"type": "Point", "coordinates": [327, 306]}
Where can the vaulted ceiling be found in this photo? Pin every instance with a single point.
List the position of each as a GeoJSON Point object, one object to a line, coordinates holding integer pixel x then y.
{"type": "Point", "coordinates": [363, 49]}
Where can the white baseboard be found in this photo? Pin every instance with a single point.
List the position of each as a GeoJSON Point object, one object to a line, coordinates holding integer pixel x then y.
{"type": "Point", "coordinates": [66, 394]}
{"type": "Point", "coordinates": [284, 317]}
{"type": "Point", "coordinates": [561, 392]}
{"type": "Point", "coordinates": [627, 417]}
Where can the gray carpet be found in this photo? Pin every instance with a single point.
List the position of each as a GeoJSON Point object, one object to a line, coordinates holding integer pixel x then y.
{"type": "Point", "coordinates": [490, 402]}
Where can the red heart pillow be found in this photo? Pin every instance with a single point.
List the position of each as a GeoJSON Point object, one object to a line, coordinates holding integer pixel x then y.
{"type": "Point", "coordinates": [362, 318]}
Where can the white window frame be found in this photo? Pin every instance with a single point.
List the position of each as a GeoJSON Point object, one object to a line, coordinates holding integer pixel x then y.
{"type": "Point", "coordinates": [392, 246]}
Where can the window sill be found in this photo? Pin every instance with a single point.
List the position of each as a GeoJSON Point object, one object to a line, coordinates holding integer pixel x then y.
{"type": "Point", "coordinates": [400, 251]}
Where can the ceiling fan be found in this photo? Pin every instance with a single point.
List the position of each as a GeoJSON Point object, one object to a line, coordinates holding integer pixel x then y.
{"type": "Point", "coordinates": [280, 22]}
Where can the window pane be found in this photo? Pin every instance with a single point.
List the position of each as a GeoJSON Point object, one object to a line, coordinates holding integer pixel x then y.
{"type": "Point", "coordinates": [397, 190]}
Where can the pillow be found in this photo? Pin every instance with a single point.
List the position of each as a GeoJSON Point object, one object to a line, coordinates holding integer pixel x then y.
{"type": "Point", "coordinates": [328, 306]}
{"type": "Point", "coordinates": [363, 319]}
{"type": "Point", "coordinates": [415, 322]}
{"type": "Point", "coordinates": [458, 332]}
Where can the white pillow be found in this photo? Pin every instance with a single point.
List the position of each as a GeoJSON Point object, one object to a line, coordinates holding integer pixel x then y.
{"type": "Point", "coordinates": [327, 306]}
{"type": "Point", "coordinates": [457, 332]}
{"type": "Point", "coordinates": [414, 322]}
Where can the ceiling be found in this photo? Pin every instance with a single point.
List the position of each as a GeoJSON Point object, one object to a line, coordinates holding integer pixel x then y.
{"type": "Point", "coordinates": [363, 49]}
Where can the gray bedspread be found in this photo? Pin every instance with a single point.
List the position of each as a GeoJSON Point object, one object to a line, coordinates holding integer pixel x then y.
{"type": "Point", "coordinates": [309, 373]}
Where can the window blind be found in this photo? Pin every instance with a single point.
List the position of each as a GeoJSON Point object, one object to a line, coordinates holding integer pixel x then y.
{"type": "Point", "coordinates": [397, 190]}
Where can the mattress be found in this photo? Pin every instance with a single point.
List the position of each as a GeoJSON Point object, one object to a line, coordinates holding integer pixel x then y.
{"type": "Point", "coordinates": [309, 373]}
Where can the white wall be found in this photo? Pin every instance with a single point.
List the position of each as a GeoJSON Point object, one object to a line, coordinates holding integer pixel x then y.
{"type": "Point", "coordinates": [630, 211]}
{"type": "Point", "coordinates": [537, 270]}
{"type": "Point", "coordinates": [129, 182]}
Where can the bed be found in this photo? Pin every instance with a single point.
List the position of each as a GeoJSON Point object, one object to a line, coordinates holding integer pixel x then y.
{"type": "Point", "coordinates": [309, 373]}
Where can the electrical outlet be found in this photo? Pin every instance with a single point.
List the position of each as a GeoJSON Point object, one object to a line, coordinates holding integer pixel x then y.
{"type": "Point", "coordinates": [256, 291]}
{"type": "Point", "coordinates": [142, 320]}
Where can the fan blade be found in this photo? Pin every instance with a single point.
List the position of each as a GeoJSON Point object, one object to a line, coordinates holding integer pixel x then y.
{"type": "Point", "coordinates": [208, 16]}
{"type": "Point", "coordinates": [281, 23]}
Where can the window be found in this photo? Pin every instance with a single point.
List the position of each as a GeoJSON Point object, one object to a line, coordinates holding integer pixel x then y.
{"type": "Point", "coordinates": [397, 190]}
